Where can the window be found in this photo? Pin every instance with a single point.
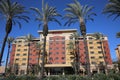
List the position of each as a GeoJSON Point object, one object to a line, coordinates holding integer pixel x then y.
{"type": "Point", "coordinates": [19, 45]}
{"type": "Point", "coordinates": [99, 52]}
{"type": "Point", "coordinates": [90, 38]}
{"type": "Point", "coordinates": [98, 42]}
{"type": "Point", "coordinates": [63, 52]}
{"type": "Point", "coordinates": [18, 49]}
{"type": "Point", "coordinates": [57, 52]}
{"type": "Point", "coordinates": [99, 47]}
{"type": "Point", "coordinates": [51, 39]}
{"type": "Point", "coordinates": [19, 41]}
{"type": "Point", "coordinates": [63, 47]}
{"type": "Point", "coordinates": [57, 48]}
{"type": "Point", "coordinates": [56, 58]}
{"type": "Point", "coordinates": [17, 59]}
{"type": "Point", "coordinates": [90, 42]}
{"type": "Point", "coordinates": [50, 58]}
{"type": "Point", "coordinates": [63, 62]}
{"type": "Point", "coordinates": [71, 38]}
{"type": "Point", "coordinates": [17, 54]}
{"type": "Point", "coordinates": [51, 43]}
{"type": "Point", "coordinates": [23, 64]}
{"type": "Point", "coordinates": [63, 42]}
{"type": "Point", "coordinates": [50, 52]}
{"type": "Point", "coordinates": [24, 54]}
{"type": "Point", "coordinates": [101, 62]}
{"type": "Point", "coordinates": [50, 48]}
{"type": "Point", "coordinates": [24, 59]}
{"type": "Point", "coordinates": [92, 57]}
{"type": "Point", "coordinates": [57, 38]}
{"type": "Point", "coordinates": [25, 49]}
{"type": "Point", "coordinates": [63, 38]}
{"type": "Point", "coordinates": [91, 47]}
{"type": "Point", "coordinates": [92, 52]}
{"type": "Point", "coordinates": [63, 58]}
{"type": "Point", "coordinates": [100, 57]}
{"type": "Point", "coordinates": [93, 62]}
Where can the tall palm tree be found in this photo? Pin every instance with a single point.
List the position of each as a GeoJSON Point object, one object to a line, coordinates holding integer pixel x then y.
{"type": "Point", "coordinates": [80, 14]}
{"type": "Point", "coordinates": [112, 9]}
{"type": "Point", "coordinates": [44, 16]}
{"type": "Point", "coordinates": [9, 41]}
{"type": "Point", "coordinates": [99, 37]}
{"type": "Point", "coordinates": [13, 13]}
{"type": "Point", "coordinates": [118, 35]}
{"type": "Point", "coordinates": [29, 39]}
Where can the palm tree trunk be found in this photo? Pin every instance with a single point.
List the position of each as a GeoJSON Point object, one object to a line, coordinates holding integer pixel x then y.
{"type": "Point", "coordinates": [87, 57]}
{"type": "Point", "coordinates": [43, 59]}
{"type": "Point", "coordinates": [3, 47]}
{"type": "Point", "coordinates": [27, 71]}
{"type": "Point", "coordinates": [7, 58]}
{"type": "Point", "coordinates": [103, 53]}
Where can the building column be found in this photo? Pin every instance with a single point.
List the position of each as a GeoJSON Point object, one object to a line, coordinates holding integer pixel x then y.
{"type": "Point", "coordinates": [63, 72]}
{"type": "Point", "coordinates": [48, 72]}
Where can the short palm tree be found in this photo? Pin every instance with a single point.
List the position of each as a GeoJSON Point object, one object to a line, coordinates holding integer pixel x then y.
{"type": "Point", "coordinates": [72, 49]}
{"type": "Point", "coordinates": [99, 37]}
{"type": "Point", "coordinates": [44, 16]}
{"type": "Point", "coordinates": [29, 39]}
{"type": "Point", "coordinates": [75, 36]}
{"type": "Point", "coordinates": [9, 41]}
{"type": "Point", "coordinates": [13, 13]}
{"type": "Point", "coordinates": [80, 14]}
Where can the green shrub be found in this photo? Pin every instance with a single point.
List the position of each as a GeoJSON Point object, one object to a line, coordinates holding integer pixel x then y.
{"type": "Point", "coordinates": [100, 76]}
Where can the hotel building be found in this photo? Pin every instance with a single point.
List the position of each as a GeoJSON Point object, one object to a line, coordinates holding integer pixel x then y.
{"type": "Point", "coordinates": [58, 57]}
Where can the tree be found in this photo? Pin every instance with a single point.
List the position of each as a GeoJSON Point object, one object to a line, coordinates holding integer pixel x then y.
{"type": "Point", "coordinates": [76, 52]}
{"type": "Point", "coordinates": [112, 9]}
{"type": "Point", "coordinates": [118, 35]}
{"type": "Point", "coordinates": [9, 41]}
{"type": "Point", "coordinates": [80, 14]}
{"type": "Point", "coordinates": [44, 16]}
{"type": "Point", "coordinates": [13, 13]}
{"type": "Point", "coordinates": [29, 39]}
{"type": "Point", "coordinates": [99, 37]}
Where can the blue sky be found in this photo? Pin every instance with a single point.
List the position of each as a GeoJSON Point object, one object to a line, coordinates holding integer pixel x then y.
{"type": "Point", "coordinates": [101, 22]}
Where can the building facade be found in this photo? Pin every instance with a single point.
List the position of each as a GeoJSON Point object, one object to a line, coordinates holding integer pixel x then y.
{"type": "Point", "coordinates": [59, 58]}
{"type": "Point", "coordinates": [117, 50]}
{"type": "Point", "coordinates": [20, 52]}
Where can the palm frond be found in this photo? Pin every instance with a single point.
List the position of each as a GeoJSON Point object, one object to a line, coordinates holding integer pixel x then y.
{"type": "Point", "coordinates": [112, 9]}
{"type": "Point", "coordinates": [118, 35]}
{"type": "Point", "coordinates": [37, 11]}
{"type": "Point", "coordinates": [76, 11]}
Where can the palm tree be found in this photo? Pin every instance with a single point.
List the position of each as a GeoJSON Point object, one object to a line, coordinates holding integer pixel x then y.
{"type": "Point", "coordinates": [77, 56]}
{"type": "Point", "coordinates": [99, 37]}
{"type": "Point", "coordinates": [44, 16]}
{"type": "Point", "coordinates": [80, 14]}
{"type": "Point", "coordinates": [9, 41]}
{"type": "Point", "coordinates": [71, 47]}
{"type": "Point", "coordinates": [112, 9]}
{"type": "Point", "coordinates": [118, 35]}
{"type": "Point", "coordinates": [13, 13]}
{"type": "Point", "coordinates": [28, 38]}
